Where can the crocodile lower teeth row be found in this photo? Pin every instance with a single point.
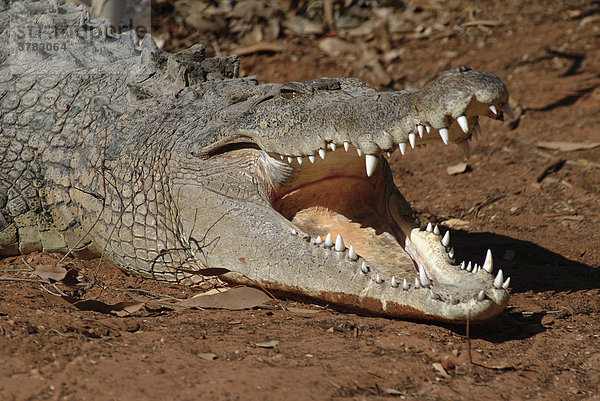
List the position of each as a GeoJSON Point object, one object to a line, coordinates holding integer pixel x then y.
{"type": "Point", "coordinates": [499, 281]}
{"type": "Point", "coordinates": [338, 245]}
{"type": "Point", "coordinates": [422, 281]}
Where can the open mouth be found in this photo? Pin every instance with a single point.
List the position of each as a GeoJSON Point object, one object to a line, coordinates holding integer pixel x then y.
{"type": "Point", "coordinates": [346, 201]}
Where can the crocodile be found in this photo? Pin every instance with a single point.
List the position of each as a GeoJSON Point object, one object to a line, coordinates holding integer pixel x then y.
{"type": "Point", "coordinates": [175, 168]}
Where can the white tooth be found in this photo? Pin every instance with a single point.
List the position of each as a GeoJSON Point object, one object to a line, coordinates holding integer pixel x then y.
{"type": "Point", "coordinates": [346, 146]}
{"type": "Point", "coordinates": [464, 124]}
{"type": "Point", "coordinates": [371, 163]}
{"type": "Point", "coordinates": [299, 160]}
{"type": "Point", "coordinates": [465, 147]}
{"type": "Point", "coordinates": [488, 265]}
{"type": "Point", "coordinates": [322, 153]}
{"type": "Point", "coordinates": [436, 230]}
{"type": "Point", "coordinates": [428, 128]}
{"type": "Point", "coordinates": [446, 239]}
{"type": "Point", "coordinates": [420, 130]}
{"type": "Point", "coordinates": [294, 232]}
{"type": "Point", "coordinates": [499, 280]}
{"type": "Point", "coordinates": [508, 111]}
{"type": "Point", "coordinates": [469, 267]}
{"type": "Point", "coordinates": [476, 268]}
{"type": "Point", "coordinates": [332, 146]}
{"type": "Point", "coordinates": [318, 240]}
{"type": "Point", "coordinates": [281, 157]}
{"type": "Point", "coordinates": [339, 244]}
{"type": "Point", "coordinates": [394, 283]}
{"type": "Point", "coordinates": [425, 282]}
{"type": "Point", "coordinates": [444, 134]}
{"type": "Point", "coordinates": [352, 253]}
{"type": "Point", "coordinates": [476, 129]}
{"type": "Point", "coordinates": [289, 159]}
{"type": "Point", "coordinates": [462, 265]}
{"type": "Point", "coordinates": [429, 227]}
{"type": "Point", "coordinates": [388, 154]}
{"type": "Point", "coordinates": [402, 147]}
{"type": "Point", "coordinates": [405, 285]}
{"type": "Point", "coordinates": [359, 151]}
{"type": "Point", "coordinates": [364, 268]}
{"type": "Point", "coordinates": [451, 253]}
{"type": "Point", "coordinates": [412, 138]}
{"type": "Point", "coordinates": [417, 284]}
{"type": "Point", "coordinates": [506, 283]}
{"type": "Point", "coordinates": [493, 109]}
{"type": "Point", "coordinates": [311, 158]}
{"type": "Point", "coordinates": [481, 295]}
{"type": "Point", "coordinates": [328, 241]}
{"type": "Point", "coordinates": [378, 279]}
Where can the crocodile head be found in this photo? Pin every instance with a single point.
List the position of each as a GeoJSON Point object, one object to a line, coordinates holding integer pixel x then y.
{"type": "Point", "coordinates": [338, 229]}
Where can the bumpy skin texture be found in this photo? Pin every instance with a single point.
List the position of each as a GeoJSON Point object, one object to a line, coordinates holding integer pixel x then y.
{"type": "Point", "coordinates": [167, 162]}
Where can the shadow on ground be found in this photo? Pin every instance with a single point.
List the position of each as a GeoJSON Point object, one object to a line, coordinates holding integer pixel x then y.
{"type": "Point", "coordinates": [532, 268]}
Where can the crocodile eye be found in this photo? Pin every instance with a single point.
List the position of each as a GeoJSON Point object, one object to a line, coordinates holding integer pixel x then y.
{"type": "Point", "coordinates": [289, 94]}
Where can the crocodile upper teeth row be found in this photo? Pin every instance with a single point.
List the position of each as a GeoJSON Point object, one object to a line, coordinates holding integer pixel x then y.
{"type": "Point", "coordinates": [371, 160]}
{"type": "Point", "coordinates": [422, 281]}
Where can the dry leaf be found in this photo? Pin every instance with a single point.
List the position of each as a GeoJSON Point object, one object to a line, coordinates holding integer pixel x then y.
{"type": "Point", "coordinates": [268, 344]}
{"type": "Point", "coordinates": [127, 308]}
{"type": "Point", "coordinates": [232, 299]}
{"type": "Point", "coordinates": [208, 356]}
{"type": "Point", "coordinates": [567, 146]}
{"type": "Point", "coordinates": [302, 26]}
{"type": "Point", "coordinates": [252, 37]}
{"type": "Point", "coordinates": [50, 272]}
{"type": "Point", "coordinates": [440, 369]}
{"type": "Point", "coordinates": [457, 168]}
{"type": "Point", "coordinates": [334, 47]}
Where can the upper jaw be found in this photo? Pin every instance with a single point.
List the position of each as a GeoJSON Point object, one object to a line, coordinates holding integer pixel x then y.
{"type": "Point", "coordinates": [305, 126]}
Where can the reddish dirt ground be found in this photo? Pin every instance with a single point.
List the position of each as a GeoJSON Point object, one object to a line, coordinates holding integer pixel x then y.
{"type": "Point", "coordinates": [541, 223]}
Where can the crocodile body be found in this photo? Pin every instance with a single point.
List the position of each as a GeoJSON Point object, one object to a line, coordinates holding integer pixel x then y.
{"type": "Point", "coordinates": [170, 163]}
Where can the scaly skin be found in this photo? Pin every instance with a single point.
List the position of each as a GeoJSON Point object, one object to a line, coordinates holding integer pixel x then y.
{"type": "Point", "coordinates": [167, 163]}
